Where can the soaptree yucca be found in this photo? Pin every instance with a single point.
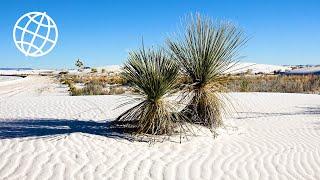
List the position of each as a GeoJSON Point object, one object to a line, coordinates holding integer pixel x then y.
{"type": "Point", "coordinates": [154, 76]}
{"type": "Point", "coordinates": [206, 50]}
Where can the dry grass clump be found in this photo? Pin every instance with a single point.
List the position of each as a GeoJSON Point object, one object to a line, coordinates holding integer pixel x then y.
{"type": "Point", "coordinates": [93, 85]}
{"type": "Point", "coordinates": [275, 83]}
{"type": "Point", "coordinates": [94, 70]}
{"type": "Point", "coordinates": [116, 79]}
{"type": "Point", "coordinates": [117, 90]}
{"type": "Point", "coordinates": [205, 52]}
{"type": "Point", "coordinates": [152, 74]}
{"type": "Point", "coordinates": [66, 81]}
{"type": "Point", "coordinates": [90, 88]}
{"type": "Point", "coordinates": [93, 88]}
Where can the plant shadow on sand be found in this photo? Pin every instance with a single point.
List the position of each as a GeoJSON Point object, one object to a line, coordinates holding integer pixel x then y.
{"type": "Point", "coordinates": [43, 127]}
{"type": "Point", "coordinates": [38, 128]}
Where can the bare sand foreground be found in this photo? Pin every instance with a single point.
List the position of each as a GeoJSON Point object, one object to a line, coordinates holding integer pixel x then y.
{"type": "Point", "coordinates": [45, 134]}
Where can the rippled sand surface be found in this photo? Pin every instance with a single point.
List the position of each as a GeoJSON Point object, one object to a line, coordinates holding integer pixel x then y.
{"type": "Point", "coordinates": [45, 134]}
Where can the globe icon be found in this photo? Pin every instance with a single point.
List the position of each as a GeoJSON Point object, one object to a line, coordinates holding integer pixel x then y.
{"type": "Point", "coordinates": [35, 34]}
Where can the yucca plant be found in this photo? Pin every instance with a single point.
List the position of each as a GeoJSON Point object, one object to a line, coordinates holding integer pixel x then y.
{"type": "Point", "coordinates": [206, 51]}
{"type": "Point", "coordinates": [154, 76]}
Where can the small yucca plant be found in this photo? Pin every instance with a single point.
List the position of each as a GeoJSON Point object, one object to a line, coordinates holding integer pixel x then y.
{"type": "Point", "coordinates": [154, 76]}
{"type": "Point", "coordinates": [206, 51]}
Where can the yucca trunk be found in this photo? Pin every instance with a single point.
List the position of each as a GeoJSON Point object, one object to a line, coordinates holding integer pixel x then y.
{"type": "Point", "coordinates": [204, 108]}
{"type": "Point", "coordinates": [149, 117]}
{"type": "Point", "coordinates": [155, 119]}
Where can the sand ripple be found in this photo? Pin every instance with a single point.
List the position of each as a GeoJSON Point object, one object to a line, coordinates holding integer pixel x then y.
{"type": "Point", "coordinates": [58, 137]}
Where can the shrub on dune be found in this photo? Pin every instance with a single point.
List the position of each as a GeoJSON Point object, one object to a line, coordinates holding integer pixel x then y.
{"type": "Point", "coordinates": [93, 88]}
{"type": "Point", "coordinates": [206, 51]}
{"type": "Point", "coordinates": [154, 76]}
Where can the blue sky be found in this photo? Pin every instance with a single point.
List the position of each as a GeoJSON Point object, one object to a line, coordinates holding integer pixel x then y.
{"type": "Point", "coordinates": [102, 32]}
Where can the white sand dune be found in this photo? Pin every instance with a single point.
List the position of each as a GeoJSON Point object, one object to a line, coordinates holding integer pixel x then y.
{"type": "Point", "coordinates": [306, 70]}
{"type": "Point", "coordinates": [8, 78]}
{"type": "Point", "coordinates": [49, 136]}
{"type": "Point", "coordinates": [32, 86]}
{"type": "Point", "coordinates": [28, 72]}
{"type": "Point", "coordinates": [241, 67]}
{"type": "Point", "coordinates": [244, 67]}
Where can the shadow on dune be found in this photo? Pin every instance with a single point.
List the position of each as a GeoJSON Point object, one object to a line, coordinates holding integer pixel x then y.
{"type": "Point", "coordinates": [21, 128]}
{"type": "Point", "coordinates": [36, 128]}
{"type": "Point", "coordinates": [316, 125]}
{"type": "Point", "coordinates": [312, 110]}
{"type": "Point", "coordinates": [303, 111]}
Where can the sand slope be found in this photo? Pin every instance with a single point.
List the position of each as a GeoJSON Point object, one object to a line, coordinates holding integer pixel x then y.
{"type": "Point", "coordinates": [61, 137]}
{"type": "Point", "coordinates": [32, 86]}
